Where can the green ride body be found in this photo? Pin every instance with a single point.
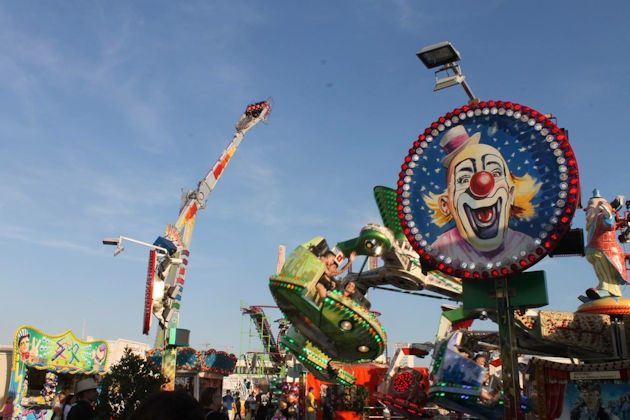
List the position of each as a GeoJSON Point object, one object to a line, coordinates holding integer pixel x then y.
{"type": "Point", "coordinates": [313, 358]}
{"type": "Point", "coordinates": [319, 320]}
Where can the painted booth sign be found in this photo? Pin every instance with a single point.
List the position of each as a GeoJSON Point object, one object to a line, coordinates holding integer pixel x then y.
{"type": "Point", "coordinates": [63, 353]}
{"type": "Point", "coordinates": [57, 354]}
{"type": "Point", "coordinates": [596, 400]}
{"type": "Point", "coordinates": [488, 190]}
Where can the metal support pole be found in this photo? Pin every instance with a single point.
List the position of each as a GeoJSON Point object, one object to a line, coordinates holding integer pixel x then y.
{"type": "Point", "coordinates": [471, 96]}
{"type": "Point", "coordinates": [509, 362]}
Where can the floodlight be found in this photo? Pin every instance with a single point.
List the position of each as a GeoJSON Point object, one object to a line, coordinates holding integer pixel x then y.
{"type": "Point", "coordinates": [111, 241]}
{"type": "Point", "coordinates": [438, 54]}
{"type": "Point", "coordinates": [119, 250]}
{"type": "Point", "coordinates": [445, 56]}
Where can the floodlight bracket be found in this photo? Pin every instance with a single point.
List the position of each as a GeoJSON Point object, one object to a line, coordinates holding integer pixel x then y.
{"type": "Point", "coordinates": [119, 248]}
{"type": "Point", "coordinates": [454, 77]}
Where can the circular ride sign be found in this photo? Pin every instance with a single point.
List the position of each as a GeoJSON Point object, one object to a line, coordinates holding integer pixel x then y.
{"type": "Point", "coordinates": [488, 190]}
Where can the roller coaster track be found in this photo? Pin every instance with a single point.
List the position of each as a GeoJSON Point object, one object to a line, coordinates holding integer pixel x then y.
{"type": "Point", "coordinates": [270, 345]}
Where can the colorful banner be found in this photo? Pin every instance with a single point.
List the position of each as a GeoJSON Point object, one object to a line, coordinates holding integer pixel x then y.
{"type": "Point", "coordinates": [63, 353]}
{"type": "Point", "coordinates": [148, 293]}
{"type": "Point", "coordinates": [187, 358]}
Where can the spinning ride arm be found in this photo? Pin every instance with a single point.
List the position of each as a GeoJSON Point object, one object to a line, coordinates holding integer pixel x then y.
{"type": "Point", "coordinates": [177, 237]}
{"type": "Point", "coordinates": [403, 267]}
{"type": "Point", "coordinates": [195, 200]}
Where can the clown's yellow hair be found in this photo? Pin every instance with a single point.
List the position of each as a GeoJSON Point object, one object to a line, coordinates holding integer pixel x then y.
{"type": "Point", "coordinates": [525, 189]}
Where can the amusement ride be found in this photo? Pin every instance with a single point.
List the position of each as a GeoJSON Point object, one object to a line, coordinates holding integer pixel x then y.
{"type": "Point", "coordinates": [169, 254]}
{"type": "Point", "coordinates": [485, 192]}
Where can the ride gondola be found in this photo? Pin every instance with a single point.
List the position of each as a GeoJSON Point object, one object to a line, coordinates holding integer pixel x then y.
{"type": "Point", "coordinates": [336, 327]}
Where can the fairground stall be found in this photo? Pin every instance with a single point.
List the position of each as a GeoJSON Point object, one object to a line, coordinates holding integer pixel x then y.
{"type": "Point", "coordinates": [577, 391]}
{"type": "Point", "coordinates": [345, 400]}
{"type": "Point", "coordinates": [195, 370]}
{"type": "Point", "coordinates": [44, 365]}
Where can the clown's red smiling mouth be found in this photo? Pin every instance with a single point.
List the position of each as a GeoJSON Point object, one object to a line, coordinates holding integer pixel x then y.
{"type": "Point", "coordinates": [484, 220]}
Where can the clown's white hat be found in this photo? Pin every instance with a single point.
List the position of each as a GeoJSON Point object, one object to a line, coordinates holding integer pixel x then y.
{"type": "Point", "coordinates": [454, 141]}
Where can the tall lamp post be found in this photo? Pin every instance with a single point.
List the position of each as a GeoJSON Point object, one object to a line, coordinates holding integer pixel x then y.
{"type": "Point", "coordinates": [445, 56]}
{"type": "Point", "coordinates": [119, 248]}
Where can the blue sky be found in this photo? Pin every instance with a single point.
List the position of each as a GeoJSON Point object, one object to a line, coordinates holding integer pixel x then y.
{"type": "Point", "coordinates": [108, 110]}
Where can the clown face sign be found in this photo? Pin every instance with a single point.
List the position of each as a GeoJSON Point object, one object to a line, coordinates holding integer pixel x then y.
{"type": "Point", "coordinates": [488, 190]}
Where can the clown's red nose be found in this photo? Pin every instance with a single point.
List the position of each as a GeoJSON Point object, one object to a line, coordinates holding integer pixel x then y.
{"type": "Point", "coordinates": [482, 183]}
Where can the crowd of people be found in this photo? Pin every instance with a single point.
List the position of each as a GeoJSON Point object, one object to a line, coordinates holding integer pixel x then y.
{"type": "Point", "coordinates": [78, 406]}
{"type": "Point", "coordinates": [175, 405]}
{"type": "Point", "coordinates": [258, 405]}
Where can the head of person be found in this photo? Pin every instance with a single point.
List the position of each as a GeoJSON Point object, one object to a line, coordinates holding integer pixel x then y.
{"type": "Point", "coordinates": [590, 393]}
{"type": "Point", "coordinates": [349, 288]}
{"type": "Point", "coordinates": [61, 397]}
{"type": "Point", "coordinates": [328, 258]}
{"type": "Point", "coordinates": [210, 398]}
{"type": "Point", "coordinates": [481, 360]}
{"type": "Point", "coordinates": [482, 194]}
{"type": "Point", "coordinates": [169, 405]}
{"type": "Point", "coordinates": [86, 390]}
{"type": "Point", "coordinates": [69, 399]}
{"type": "Point", "coordinates": [310, 389]}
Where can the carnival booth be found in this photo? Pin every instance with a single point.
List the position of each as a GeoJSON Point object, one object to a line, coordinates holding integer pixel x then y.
{"type": "Point", "coordinates": [568, 391]}
{"type": "Point", "coordinates": [196, 370]}
{"type": "Point", "coordinates": [348, 401]}
{"type": "Point", "coordinates": [44, 365]}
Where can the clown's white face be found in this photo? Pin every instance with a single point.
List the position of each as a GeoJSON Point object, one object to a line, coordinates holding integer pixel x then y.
{"type": "Point", "coordinates": [479, 196]}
